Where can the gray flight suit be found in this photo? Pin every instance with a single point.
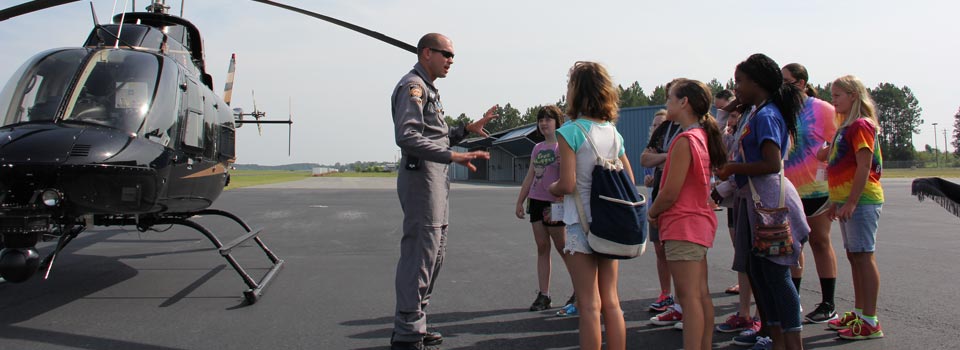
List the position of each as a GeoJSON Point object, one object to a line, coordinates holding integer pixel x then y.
{"type": "Point", "coordinates": [423, 186]}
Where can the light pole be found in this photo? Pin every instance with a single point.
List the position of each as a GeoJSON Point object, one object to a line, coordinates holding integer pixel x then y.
{"type": "Point", "coordinates": [945, 150]}
{"type": "Point", "coordinates": [937, 148]}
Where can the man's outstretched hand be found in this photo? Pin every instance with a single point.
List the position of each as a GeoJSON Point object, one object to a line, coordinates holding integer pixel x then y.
{"type": "Point", "coordinates": [477, 126]}
{"type": "Point", "coordinates": [465, 158]}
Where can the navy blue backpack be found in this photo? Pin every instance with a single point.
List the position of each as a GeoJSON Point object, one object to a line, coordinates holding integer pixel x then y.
{"type": "Point", "coordinates": [618, 229]}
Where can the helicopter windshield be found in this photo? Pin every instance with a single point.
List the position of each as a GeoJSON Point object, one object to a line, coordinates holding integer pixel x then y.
{"type": "Point", "coordinates": [36, 90]}
{"type": "Point", "coordinates": [116, 89]}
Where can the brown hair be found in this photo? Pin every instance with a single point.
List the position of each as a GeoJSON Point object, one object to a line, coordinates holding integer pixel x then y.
{"type": "Point", "coordinates": [552, 112]}
{"type": "Point", "coordinates": [698, 95]}
{"type": "Point", "coordinates": [799, 72]}
{"type": "Point", "coordinates": [590, 92]}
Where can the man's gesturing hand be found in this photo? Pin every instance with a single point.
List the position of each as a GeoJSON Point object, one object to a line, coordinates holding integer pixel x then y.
{"type": "Point", "coordinates": [477, 126]}
{"type": "Point", "coordinates": [465, 158]}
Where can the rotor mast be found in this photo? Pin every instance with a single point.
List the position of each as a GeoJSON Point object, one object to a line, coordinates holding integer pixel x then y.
{"type": "Point", "coordinates": [158, 6]}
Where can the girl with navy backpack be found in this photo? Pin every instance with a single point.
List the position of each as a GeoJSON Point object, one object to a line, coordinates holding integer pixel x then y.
{"type": "Point", "coordinates": [592, 105]}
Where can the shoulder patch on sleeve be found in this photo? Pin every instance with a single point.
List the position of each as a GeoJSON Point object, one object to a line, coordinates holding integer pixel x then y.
{"type": "Point", "coordinates": [416, 93]}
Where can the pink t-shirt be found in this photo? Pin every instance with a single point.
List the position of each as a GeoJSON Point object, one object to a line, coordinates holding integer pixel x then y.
{"type": "Point", "coordinates": [546, 170]}
{"type": "Point", "coordinates": [690, 218]}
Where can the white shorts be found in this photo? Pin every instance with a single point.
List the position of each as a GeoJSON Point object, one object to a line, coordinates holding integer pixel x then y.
{"type": "Point", "coordinates": [576, 240]}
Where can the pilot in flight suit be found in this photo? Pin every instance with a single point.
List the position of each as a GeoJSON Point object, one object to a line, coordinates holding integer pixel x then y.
{"type": "Point", "coordinates": [422, 185]}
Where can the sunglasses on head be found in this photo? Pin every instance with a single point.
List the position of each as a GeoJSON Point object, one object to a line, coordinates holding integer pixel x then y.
{"type": "Point", "coordinates": [445, 53]}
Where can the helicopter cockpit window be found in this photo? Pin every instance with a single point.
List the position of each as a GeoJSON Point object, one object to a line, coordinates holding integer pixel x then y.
{"type": "Point", "coordinates": [36, 90]}
{"type": "Point", "coordinates": [115, 90]}
{"type": "Point", "coordinates": [161, 125]}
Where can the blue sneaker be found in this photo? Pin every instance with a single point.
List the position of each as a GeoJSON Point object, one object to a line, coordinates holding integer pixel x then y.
{"type": "Point", "coordinates": [662, 303]}
{"type": "Point", "coordinates": [569, 310]}
{"type": "Point", "coordinates": [763, 343]}
{"type": "Point", "coordinates": [746, 338]}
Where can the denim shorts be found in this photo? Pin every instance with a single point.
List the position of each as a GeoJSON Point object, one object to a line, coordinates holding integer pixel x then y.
{"type": "Point", "coordinates": [860, 231]}
{"type": "Point", "coordinates": [775, 294]}
{"type": "Point", "coordinates": [576, 240]}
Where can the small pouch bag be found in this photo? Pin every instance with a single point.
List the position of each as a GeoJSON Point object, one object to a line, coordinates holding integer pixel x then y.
{"type": "Point", "coordinates": [771, 231]}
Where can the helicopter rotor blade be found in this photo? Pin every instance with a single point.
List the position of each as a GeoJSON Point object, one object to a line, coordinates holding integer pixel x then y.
{"type": "Point", "coordinates": [231, 72]}
{"type": "Point", "coordinates": [30, 6]}
{"type": "Point", "coordinates": [356, 28]}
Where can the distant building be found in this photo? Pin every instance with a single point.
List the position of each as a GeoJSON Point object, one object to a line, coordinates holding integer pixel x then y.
{"type": "Point", "coordinates": [510, 149]}
{"type": "Point", "coordinates": [320, 171]}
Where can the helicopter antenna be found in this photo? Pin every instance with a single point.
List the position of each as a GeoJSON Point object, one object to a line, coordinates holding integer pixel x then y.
{"type": "Point", "coordinates": [96, 22]}
{"type": "Point", "coordinates": [116, 45]}
{"type": "Point", "coordinates": [231, 73]}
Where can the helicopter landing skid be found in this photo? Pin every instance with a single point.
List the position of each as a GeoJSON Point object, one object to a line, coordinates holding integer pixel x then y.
{"type": "Point", "coordinates": [256, 288]}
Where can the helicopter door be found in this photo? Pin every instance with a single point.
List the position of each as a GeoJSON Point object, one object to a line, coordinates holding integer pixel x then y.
{"type": "Point", "coordinates": [184, 184]}
{"type": "Point", "coordinates": [193, 121]}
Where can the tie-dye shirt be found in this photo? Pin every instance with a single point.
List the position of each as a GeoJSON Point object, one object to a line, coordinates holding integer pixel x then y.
{"type": "Point", "coordinates": [814, 126]}
{"type": "Point", "coordinates": [842, 164]}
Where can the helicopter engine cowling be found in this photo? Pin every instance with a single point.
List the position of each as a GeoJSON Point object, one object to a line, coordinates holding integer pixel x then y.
{"type": "Point", "coordinates": [18, 264]}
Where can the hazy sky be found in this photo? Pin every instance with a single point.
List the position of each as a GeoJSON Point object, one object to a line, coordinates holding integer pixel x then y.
{"type": "Point", "coordinates": [519, 52]}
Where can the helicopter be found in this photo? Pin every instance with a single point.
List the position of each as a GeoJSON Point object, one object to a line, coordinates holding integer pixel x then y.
{"type": "Point", "coordinates": [125, 130]}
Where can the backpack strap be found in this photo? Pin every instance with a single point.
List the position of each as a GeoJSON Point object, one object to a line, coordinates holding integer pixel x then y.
{"type": "Point", "coordinates": [590, 140]}
{"type": "Point", "coordinates": [582, 213]}
{"type": "Point", "coordinates": [612, 163]}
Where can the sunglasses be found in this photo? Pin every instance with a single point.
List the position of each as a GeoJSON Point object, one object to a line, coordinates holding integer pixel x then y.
{"type": "Point", "coordinates": [445, 53]}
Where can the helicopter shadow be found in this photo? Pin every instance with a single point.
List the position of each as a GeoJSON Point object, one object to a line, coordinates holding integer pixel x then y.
{"type": "Point", "coordinates": [81, 276]}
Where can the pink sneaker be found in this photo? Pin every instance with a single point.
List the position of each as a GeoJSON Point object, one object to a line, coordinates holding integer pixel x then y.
{"type": "Point", "coordinates": [843, 322]}
{"type": "Point", "coordinates": [667, 318]}
{"type": "Point", "coordinates": [735, 323]}
{"type": "Point", "coordinates": [860, 330]}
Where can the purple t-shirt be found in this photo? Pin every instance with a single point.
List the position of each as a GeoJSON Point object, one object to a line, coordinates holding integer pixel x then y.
{"type": "Point", "coordinates": [546, 170]}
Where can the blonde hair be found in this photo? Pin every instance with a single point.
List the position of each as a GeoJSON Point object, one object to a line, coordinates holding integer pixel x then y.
{"type": "Point", "coordinates": [662, 112]}
{"type": "Point", "coordinates": [590, 92]}
{"type": "Point", "coordinates": [862, 107]}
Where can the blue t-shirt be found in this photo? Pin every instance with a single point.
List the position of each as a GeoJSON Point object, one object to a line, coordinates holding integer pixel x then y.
{"type": "Point", "coordinates": [766, 124]}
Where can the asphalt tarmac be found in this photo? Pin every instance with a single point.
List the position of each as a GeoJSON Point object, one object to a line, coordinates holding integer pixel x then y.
{"type": "Point", "coordinates": [115, 288]}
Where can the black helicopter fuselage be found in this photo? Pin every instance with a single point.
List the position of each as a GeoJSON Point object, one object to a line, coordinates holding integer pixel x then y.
{"type": "Point", "coordinates": [105, 133]}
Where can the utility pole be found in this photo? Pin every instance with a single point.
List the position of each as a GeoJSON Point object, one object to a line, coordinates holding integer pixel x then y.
{"type": "Point", "coordinates": [935, 147]}
{"type": "Point", "coordinates": [945, 151]}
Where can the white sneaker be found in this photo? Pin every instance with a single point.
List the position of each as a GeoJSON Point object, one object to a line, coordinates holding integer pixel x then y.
{"type": "Point", "coordinates": [678, 326]}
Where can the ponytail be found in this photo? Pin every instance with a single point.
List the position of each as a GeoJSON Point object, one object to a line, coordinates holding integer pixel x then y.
{"type": "Point", "coordinates": [789, 100]}
{"type": "Point", "coordinates": [811, 91]}
{"type": "Point", "coordinates": [715, 146]}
